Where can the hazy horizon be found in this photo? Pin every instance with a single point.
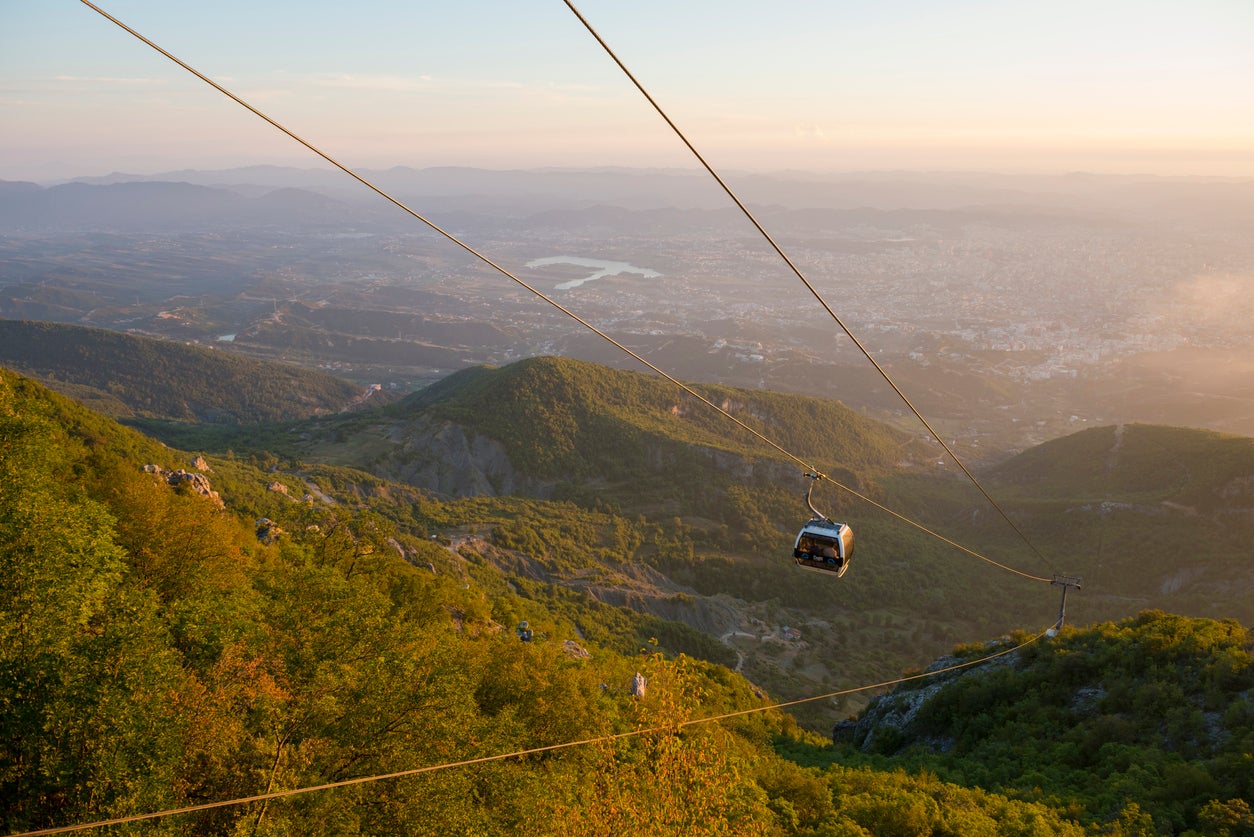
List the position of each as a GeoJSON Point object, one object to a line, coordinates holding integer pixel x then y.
{"type": "Point", "coordinates": [837, 87]}
{"type": "Point", "coordinates": [55, 176]}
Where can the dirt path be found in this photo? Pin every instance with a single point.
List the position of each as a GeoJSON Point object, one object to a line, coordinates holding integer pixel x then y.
{"type": "Point", "coordinates": [740, 656]}
{"type": "Point", "coordinates": [313, 489]}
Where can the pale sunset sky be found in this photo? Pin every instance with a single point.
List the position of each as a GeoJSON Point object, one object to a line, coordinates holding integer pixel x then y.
{"type": "Point", "coordinates": [832, 85]}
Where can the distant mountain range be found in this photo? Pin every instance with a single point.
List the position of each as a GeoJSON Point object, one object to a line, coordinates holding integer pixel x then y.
{"type": "Point", "coordinates": [314, 197]}
{"type": "Point", "coordinates": [165, 206]}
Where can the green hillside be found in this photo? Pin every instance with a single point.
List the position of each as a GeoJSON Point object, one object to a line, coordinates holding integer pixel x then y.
{"type": "Point", "coordinates": [577, 439]}
{"type": "Point", "coordinates": [161, 651]}
{"type": "Point", "coordinates": [125, 376]}
{"type": "Point", "coordinates": [1204, 471]}
{"type": "Point", "coordinates": [713, 515]}
{"type": "Point", "coordinates": [1148, 722]}
{"type": "Point", "coordinates": [1151, 516]}
{"type": "Point", "coordinates": [564, 429]}
{"type": "Point", "coordinates": [558, 416]}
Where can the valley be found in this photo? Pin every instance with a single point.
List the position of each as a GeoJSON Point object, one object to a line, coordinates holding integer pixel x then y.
{"type": "Point", "coordinates": [940, 282]}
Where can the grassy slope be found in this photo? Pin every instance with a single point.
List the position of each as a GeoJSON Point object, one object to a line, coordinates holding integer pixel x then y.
{"type": "Point", "coordinates": [556, 414]}
{"type": "Point", "coordinates": [1159, 516]}
{"type": "Point", "coordinates": [1204, 470]}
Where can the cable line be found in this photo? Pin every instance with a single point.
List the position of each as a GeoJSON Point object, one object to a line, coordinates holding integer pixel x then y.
{"type": "Point", "coordinates": [362, 780]}
{"type": "Point", "coordinates": [504, 272]}
{"type": "Point", "coordinates": [935, 534]}
{"type": "Point", "coordinates": [796, 270]}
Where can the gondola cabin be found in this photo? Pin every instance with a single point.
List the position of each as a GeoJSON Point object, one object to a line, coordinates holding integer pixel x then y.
{"type": "Point", "coordinates": [824, 546]}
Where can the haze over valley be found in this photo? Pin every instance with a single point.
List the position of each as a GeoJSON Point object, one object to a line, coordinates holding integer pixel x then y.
{"type": "Point", "coordinates": [1012, 309]}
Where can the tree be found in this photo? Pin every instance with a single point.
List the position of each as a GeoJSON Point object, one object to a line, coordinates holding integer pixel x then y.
{"type": "Point", "coordinates": [87, 679]}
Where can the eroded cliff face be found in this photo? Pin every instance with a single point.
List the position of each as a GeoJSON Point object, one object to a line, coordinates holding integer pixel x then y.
{"type": "Point", "coordinates": [714, 615]}
{"type": "Point", "coordinates": [448, 458]}
{"type": "Point", "coordinates": [443, 457]}
{"type": "Point", "coordinates": [888, 722]}
{"type": "Point", "coordinates": [639, 587]}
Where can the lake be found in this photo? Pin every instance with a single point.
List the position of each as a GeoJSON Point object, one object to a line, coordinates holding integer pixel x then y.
{"type": "Point", "coordinates": [600, 268]}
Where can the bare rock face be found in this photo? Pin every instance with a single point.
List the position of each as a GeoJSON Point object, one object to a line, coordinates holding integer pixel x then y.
{"type": "Point", "coordinates": [440, 456]}
{"type": "Point", "coordinates": [891, 716]}
{"type": "Point", "coordinates": [575, 651]}
{"type": "Point", "coordinates": [197, 483]}
{"type": "Point", "coordinates": [639, 685]}
{"type": "Point", "coordinates": [268, 531]}
{"type": "Point", "coordinates": [199, 463]}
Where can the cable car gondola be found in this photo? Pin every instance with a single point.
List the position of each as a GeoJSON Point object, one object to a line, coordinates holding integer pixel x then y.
{"type": "Point", "coordinates": [822, 544]}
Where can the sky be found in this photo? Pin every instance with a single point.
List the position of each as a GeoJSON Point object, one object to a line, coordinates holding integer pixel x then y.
{"type": "Point", "coordinates": [1121, 86]}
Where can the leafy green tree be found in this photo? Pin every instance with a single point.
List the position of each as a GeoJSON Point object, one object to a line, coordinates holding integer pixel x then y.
{"type": "Point", "coordinates": [669, 780]}
{"type": "Point", "coordinates": [1226, 819]}
{"type": "Point", "coordinates": [88, 683]}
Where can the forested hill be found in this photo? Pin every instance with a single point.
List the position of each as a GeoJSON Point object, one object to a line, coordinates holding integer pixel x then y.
{"type": "Point", "coordinates": [555, 427]}
{"type": "Point", "coordinates": [160, 650]}
{"type": "Point", "coordinates": [1207, 472]}
{"type": "Point", "coordinates": [558, 416]}
{"type": "Point", "coordinates": [552, 429]}
{"type": "Point", "coordinates": [124, 375]}
{"type": "Point", "coordinates": [1163, 516]}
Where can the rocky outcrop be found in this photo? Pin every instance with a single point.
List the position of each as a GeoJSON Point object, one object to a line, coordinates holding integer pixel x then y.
{"type": "Point", "coordinates": [196, 483]}
{"type": "Point", "coordinates": [891, 717]}
{"type": "Point", "coordinates": [268, 531]}
{"type": "Point", "coordinates": [575, 651]}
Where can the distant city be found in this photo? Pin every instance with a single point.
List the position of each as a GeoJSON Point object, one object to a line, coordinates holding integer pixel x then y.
{"type": "Point", "coordinates": [1010, 310]}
